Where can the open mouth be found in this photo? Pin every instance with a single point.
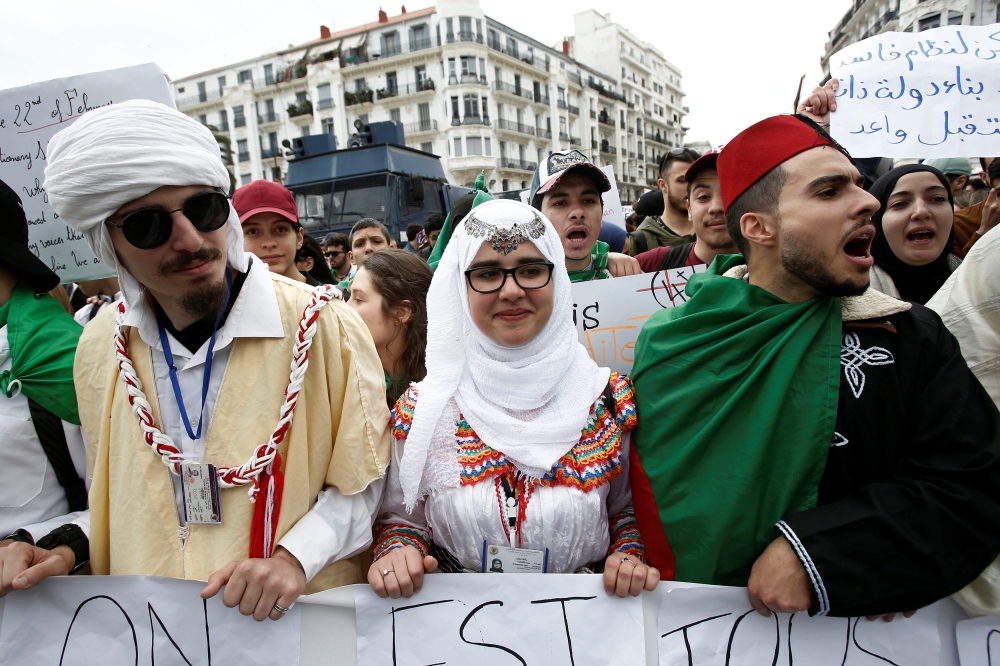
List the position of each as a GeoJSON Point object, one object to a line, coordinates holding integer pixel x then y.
{"type": "Point", "coordinates": [922, 235]}
{"type": "Point", "coordinates": [577, 235]}
{"type": "Point", "coordinates": [858, 246]}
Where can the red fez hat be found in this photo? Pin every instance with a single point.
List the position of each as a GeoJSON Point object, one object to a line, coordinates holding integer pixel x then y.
{"type": "Point", "coordinates": [761, 147]}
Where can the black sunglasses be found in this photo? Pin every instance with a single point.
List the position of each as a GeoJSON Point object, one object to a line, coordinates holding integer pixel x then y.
{"type": "Point", "coordinates": [149, 228]}
{"type": "Point", "coordinates": [333, 253]}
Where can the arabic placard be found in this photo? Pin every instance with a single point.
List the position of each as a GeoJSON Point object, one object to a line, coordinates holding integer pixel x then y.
{"type": "Point", "coordinates": [101, 620]}
{"type": "Point", "coordinates": [926, 94]}
{"type": "Point", "coordinates": [29, 117]}
{"type": "Point", "coordinates": [613, 212]}
{"type": "Point", "coordinates": [501, 620]}
{"type": "Point", "coordinates": [609, 314]}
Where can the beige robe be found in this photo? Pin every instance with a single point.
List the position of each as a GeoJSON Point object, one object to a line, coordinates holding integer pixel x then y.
{"type": "Point", "coordinates": [339, 437]}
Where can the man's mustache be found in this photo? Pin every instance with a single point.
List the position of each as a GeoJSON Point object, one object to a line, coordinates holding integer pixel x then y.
{"type": "Point", "coordinates": [186, 259]}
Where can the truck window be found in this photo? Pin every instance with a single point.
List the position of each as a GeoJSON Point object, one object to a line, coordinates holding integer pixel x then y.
{"type": "Point", "coordinates": [313, 202]}
{"type": "Point", "coordinates": [355, 198]}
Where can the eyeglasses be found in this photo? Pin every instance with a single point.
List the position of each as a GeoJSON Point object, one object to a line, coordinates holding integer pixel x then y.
{"type": "Point", "coordinates": [489, 279]}
{"type": "Point", "coordinates": [149, 228]}
{"type": "Point", "coordinates": [330, 254]}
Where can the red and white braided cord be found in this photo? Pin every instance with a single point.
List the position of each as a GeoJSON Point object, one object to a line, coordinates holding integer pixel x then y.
{"type": "Point", "coordinates": [248, 472]}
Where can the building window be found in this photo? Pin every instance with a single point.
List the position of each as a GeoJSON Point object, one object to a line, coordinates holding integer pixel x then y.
{"type": "Point", "coordinates": [239, 120]}
{"type": "Point", "coordinates": [929, 22]}
{"type": "Point", "coordinates": [242, 151]}
{"type": "Point", "coordinates": [391, 44]}
{"type": "Point", "coordinates": [427, 147]}
{"type": "Point", "coordinates": [268, 75]}
{"type": "Point", "coordinates": [474, 145]}
{"type": "Point", "coordinates": [458, 146]}
{"type": "Point", "coordinates": [471, 103]}
{"type": "Point", "coordinates": [394, 114]}
{"type": "Point", "coordinates": [324, 100]}
{"type": "Point", "coordinates": [419, 39]}
{"type": "Point", "coordinates": [360, 85]}
{"type": "Point", "coordinates": [305, 130]}
{"type": "Point", "coordinates": [327, 125]}
{"type": "Point", "coordinates": [244, 76]}
{"type": "Point", "coordinates": [223, 121]}
{"type": "Point", "coordinates": [391, 86]}
{"type": "Point", "coordinates": [203, 119]}
{"type": "Point", "coordinates": [468, 67]}
{"type": "Point", "coordinates": [505, 184]}
{"type": "Point", "coordinates": [482, 69]}
{"type": "Point", "coordinates": [455, 119]}
{"type": "Point", "coordinates": [487, 147]}
{"type": "Point", "coordinates": [245, 179]}
{"type": "Point", "coordinates": [276, 174]}
{"type": "Point", "coordinates": [420, 75]}
{"type": "Point", "coordinates": [222, 83]}
{"type": "Point", "coordinates": [449, 30]}
{"type": "Point", "coordinates": [465, 29]}
{"type": "Point", "coordinates": [955, 18]}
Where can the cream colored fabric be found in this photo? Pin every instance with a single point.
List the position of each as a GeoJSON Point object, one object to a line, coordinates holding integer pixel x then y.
{"type": "Point", "coordinates": [339, 437]}
{"type": "Point", "coordinates": [882, 282]}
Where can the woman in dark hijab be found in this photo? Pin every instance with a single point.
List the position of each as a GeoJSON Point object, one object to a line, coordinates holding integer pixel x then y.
{"type": "Point", "coordinates": [915, 225]}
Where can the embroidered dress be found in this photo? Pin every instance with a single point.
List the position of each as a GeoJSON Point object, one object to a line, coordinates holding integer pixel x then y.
{"type": "Point", "coordinates": [581, 510]}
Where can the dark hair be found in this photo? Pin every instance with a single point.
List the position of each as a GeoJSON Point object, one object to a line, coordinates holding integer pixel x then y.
{"type": "Point", "coordinates": [994, 171]}
{"type": "Point", "coordinates": [402, 277]}
{"type": "Point", "coordinates": [434, 222]}
{"type": "Point", "coordinates": [677, 155]}
{"type": "Point", "coordinates": [412, 230]}
{"type": "Point", "coordinates": [368, 223]}
{"type": "Point", "coordinates": [761, 197]}
{"type": "Point", "coordinates": [337, 239]}
{"type": "Point", "coordinates": [320, 271]}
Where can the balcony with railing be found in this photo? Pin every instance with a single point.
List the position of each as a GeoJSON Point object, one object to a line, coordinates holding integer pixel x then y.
{"type": "Point", "coordinates": [420, 126]}
{"type": "Point", "coordinates": [469, 36]}
{"type": "Point", "coordinates": [269, 153]}
{"type": "Point", "coordinates": [243, 157]}
{"type": "Point", "coordinates": [882, 21]}
{"type": "Point", "coordinates": [573, 110]}
{"type": "Point", "coordinates": [194, 100]}
{"type": "Point", "coordinates": [606, 92]}
{"type": "Point", "coordinates": [469, 78]}
{"type": "Point", "coordinates": [521, 165]}
{"type": "Point", "coordinates": [539, 98]}
{"type": "Point", "coordinates": [303, 108]}
{"type": "Point", "coordinates": [574, 141]}
{"type": "Point", "coordinates": [605, 119]}
{"type": "Point", "coordinates": [405, 89]}
{"type": "Point", "coordinates": [593, 114]}
{"type": "Point", "coordinates": [608, 148]}
{"type": "Point", "coordinates": [543, 133]}
{"type": "Point", "coordinates": [239, 121]}
{"type": "Point", "coordinates": [475, 120]}
{"type": "Point", "coordinates": [564, 137]}
{"type": "Point", "coordinates": [512, 126]}
{"type": "Point", "coordinates": [358, 97]}
{"type": "Point", "coordinates": [325, 103]}
{"type": "Point", "coordinates": [574, 78]}
{"type": "Point", "coordinates": [221, 127]}
{"type": "Point", "coordinates": [510, 89]}
{"type": "Point", "coordinates": [391, 49]}
{"type": "Point", "coordinates": [267, 117]}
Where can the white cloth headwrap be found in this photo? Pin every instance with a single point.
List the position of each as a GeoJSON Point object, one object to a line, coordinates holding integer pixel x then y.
{"type": "Point", "coordinates": [119, 153]}
{"type": "Point", "coordinates": [529, 402]}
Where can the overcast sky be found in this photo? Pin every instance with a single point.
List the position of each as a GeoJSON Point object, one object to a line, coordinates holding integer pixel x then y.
{"type": "Point", "coordinates": [741, 61]}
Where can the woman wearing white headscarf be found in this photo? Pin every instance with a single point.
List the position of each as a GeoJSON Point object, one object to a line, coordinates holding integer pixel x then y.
{"type": "Point", "coordinates": [516, 439]}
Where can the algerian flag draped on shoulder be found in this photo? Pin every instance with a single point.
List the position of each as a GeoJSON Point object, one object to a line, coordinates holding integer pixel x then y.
{"type": "Point", "coordinates": [737, 396]}
{"type": "Point", "coordinates": [480, 194]}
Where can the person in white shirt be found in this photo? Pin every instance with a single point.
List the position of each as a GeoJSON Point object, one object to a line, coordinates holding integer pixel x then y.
{"type": "Point", "coordinates": [191, 371]}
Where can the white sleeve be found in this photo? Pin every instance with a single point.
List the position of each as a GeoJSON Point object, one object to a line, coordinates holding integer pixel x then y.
{"type": "Point", "coordinates": [77, 445]}
{"type": "Point", "coordinates": [39, 530]}
{"type": "Point", "coordinates": [338, 526]}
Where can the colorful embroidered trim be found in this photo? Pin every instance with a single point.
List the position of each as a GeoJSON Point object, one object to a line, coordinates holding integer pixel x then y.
{"type": "Point", "coordinates": [402, 413]}
{"type": "Point", "coordinates": [624, 392]}
{"type": "Point", "coordinates": [396, 535]}
{"type": "Point", "coordinates": [625, 537]}
{"type": "Point", "coordinates": [505, 241]}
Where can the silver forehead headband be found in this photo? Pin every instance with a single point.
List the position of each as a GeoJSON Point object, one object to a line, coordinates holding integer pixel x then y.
{"type": "Point", "coordinates": [503, 240]}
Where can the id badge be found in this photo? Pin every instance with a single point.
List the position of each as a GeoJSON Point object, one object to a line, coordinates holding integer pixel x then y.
{"type": "Point", "coordinates": [200, 489]}
{"type": "Point", "coordinates": [504, 559]}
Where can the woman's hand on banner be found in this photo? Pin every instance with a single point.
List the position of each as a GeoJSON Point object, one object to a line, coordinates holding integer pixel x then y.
{"type": "Point", "coordinates": [400, 572]}
{"type": "Point", "coordinates": [259, 585]}
{"type": "Point", "coordinates": [625, 575]}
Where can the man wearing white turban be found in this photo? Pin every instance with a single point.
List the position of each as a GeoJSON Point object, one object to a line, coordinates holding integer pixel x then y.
{"type": "Point", "coordinates": [180, 386]}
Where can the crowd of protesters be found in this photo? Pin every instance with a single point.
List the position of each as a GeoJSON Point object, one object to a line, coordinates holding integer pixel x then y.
{"type": "Point", "coordinates": [811, 423]}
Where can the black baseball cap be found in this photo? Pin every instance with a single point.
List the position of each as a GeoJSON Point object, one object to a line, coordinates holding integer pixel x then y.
{"type": "Point", "coordinates": [14, 253]}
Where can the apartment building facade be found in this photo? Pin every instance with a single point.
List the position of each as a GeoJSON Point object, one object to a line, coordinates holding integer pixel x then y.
{"type": "Point", "coordinates": [866, 18]}
{"type": "Point", "coordinates": [481, 95]}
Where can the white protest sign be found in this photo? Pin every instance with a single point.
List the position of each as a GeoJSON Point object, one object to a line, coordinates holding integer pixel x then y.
{"type": "Point", "coordinates": [711, 626]}
{"type": "Point", "coordinates": [612, 201]}
{"type": "Point", "coordinates": [925, 94]}
{"type": "Point", "coordinates": [609, 314]}
{"type": "Point", "coordinates": [29, 117]}
{"type": "Point", "coordinates": [500, 620]}
{"type": "Point", "coordinates": [100, 620]}
{"type": "Point", "coordinates": [979, 641]}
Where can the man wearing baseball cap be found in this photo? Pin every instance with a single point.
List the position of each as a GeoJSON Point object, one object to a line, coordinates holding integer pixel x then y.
{"type": "Point", "coordinates": [958, 170]}
{"type": "Point", "coordinates": [42, 454]}
{"type": "Point", "coordinates": [567, 189]}
{"type": "Point", "coordinates": [708, 218]}
{"type": "Point", "coordinates": [271, 228]}
{"type": "Point", "coordinates": [800, 433]}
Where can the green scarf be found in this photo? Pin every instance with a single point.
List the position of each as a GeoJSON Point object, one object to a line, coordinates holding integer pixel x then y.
{"type": "Point", "coordinates": [598, 265]}
{"type": "Point", "coordinates": [737, 396]}
{"type": "Point", "coordinates": [394, 387]}
{"type": "Point", "coordinates": [43, 339]}
{"type": "Point", "coordinates": [482, 195]}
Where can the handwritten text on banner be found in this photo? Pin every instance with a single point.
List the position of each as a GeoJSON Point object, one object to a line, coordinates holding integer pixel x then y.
{"type": "Point", "coordinates": [29, 117]}
{"type": "Point", "coordinates": [924, 94]}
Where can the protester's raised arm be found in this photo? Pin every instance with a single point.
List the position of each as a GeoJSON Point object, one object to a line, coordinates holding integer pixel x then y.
{"type": "Point", "coordinates": [820, 103]}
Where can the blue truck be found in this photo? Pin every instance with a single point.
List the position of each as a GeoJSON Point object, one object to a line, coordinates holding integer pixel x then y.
{"type": "Point", "coordinates": [376, 176]}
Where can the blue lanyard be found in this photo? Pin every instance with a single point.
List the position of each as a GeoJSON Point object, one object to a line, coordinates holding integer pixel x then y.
{"type": "Point", "coordinates": [207, 375]}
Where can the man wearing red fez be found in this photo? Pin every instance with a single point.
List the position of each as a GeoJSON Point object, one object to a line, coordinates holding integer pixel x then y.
{"type": "Point", "coordinates": [799, 433]}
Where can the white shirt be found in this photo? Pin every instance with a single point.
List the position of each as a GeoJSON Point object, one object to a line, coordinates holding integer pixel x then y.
{"type": "Point", "coordinates": [86, 314]}
{"type": "Point", "coordinates": [30, 495]}
{"type": "Point", "coordinates": [338, 526]}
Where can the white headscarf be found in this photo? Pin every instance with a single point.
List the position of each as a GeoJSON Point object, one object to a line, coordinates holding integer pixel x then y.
{"type": "Point", "coordinates": [529, 402]}
{"type": "Point", "coordinates": [119, 153]}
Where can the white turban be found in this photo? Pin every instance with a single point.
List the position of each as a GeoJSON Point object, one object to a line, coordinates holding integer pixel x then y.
{"type": "Point", "coordinates": [119, 153]}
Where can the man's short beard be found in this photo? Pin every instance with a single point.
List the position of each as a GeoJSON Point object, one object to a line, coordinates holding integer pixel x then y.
{"type": "Point", "coordinates": [204, 300]}
{"type": "Point", "coordinates": [809, 266]}
{"type": "Point", "coordinates": [679, 205]}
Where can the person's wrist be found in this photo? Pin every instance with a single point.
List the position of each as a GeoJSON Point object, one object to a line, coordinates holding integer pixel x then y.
{"type": "Point", "coordinates": [285, 555]}
{"type": "Point", "coordinates": [66, 554]}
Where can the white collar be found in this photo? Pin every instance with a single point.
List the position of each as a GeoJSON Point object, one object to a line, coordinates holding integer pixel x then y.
{"type": "Point", "coordinates": [255, 314]}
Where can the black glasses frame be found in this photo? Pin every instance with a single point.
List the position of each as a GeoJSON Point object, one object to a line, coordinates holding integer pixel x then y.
{"type": "Point", "coordinates": [509, 272]}
{"type": "Point", "coordinates": [151, 234]}
{"type": "Point", "coordinates": [333, 253]}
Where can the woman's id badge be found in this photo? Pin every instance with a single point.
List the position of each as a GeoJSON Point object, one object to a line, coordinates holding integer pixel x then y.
{"type": "Point", "coordinates": [504, 559]}
{"type": "Point", "coordinates": [200, 490]}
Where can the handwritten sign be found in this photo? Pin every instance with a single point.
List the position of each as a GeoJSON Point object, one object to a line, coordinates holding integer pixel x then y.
{"type": "Point", "coordinates": [927, 94]}
{"type": "Point", "coordinates": [716, 625]}
{"type": "Point", "coordinates": [501, 620]}
{"type": "Point", "coordinates": [979, 641]}
{"type": "Point", "coordinates": [100, 620]}
{"type": "Point", "coordinates": [613, 212]}
{"type": "Point", "coordinates": [609, 314]}
{"type": "Point", "coordinates": [29, 117]}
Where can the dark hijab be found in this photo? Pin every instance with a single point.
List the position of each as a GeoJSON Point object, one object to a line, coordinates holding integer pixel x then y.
{"type": "Point", "coordinates": [914, 283]}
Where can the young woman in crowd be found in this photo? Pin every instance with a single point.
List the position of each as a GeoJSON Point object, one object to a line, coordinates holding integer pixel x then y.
{"type": "Point", "coordinates": [914, 233]}
{"type": "Point", "coordinates": [311, 263]}
{"type": "Point", "coordinates": [389, 291]}
{"type": "Point", "coordinates": [516, 438]}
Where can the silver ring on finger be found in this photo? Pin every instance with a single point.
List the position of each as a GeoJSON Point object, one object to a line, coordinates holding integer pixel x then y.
{"type": "Point", "coordinates": [386, 572]}
{"type": "Point", "coordinates": [280, 610]}
{"type": "Point", "coordinates": [625, 559]}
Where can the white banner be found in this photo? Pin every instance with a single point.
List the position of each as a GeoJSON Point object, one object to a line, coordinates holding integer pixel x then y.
{"type": "Point", "coordinates": [613, 212]}
{"type": "Point", "coordinates": [501, 620]}
{"type": "Point", "coordinates": [610, 313]}
{"type": "Point", "coordinates": [119, 620]}
{"type": "Point", "coordinates": [920, 94]}
{"type": "Point", "coordinates": [29, 117]}
{"type": "Point", "coordinates": [979, 641]}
